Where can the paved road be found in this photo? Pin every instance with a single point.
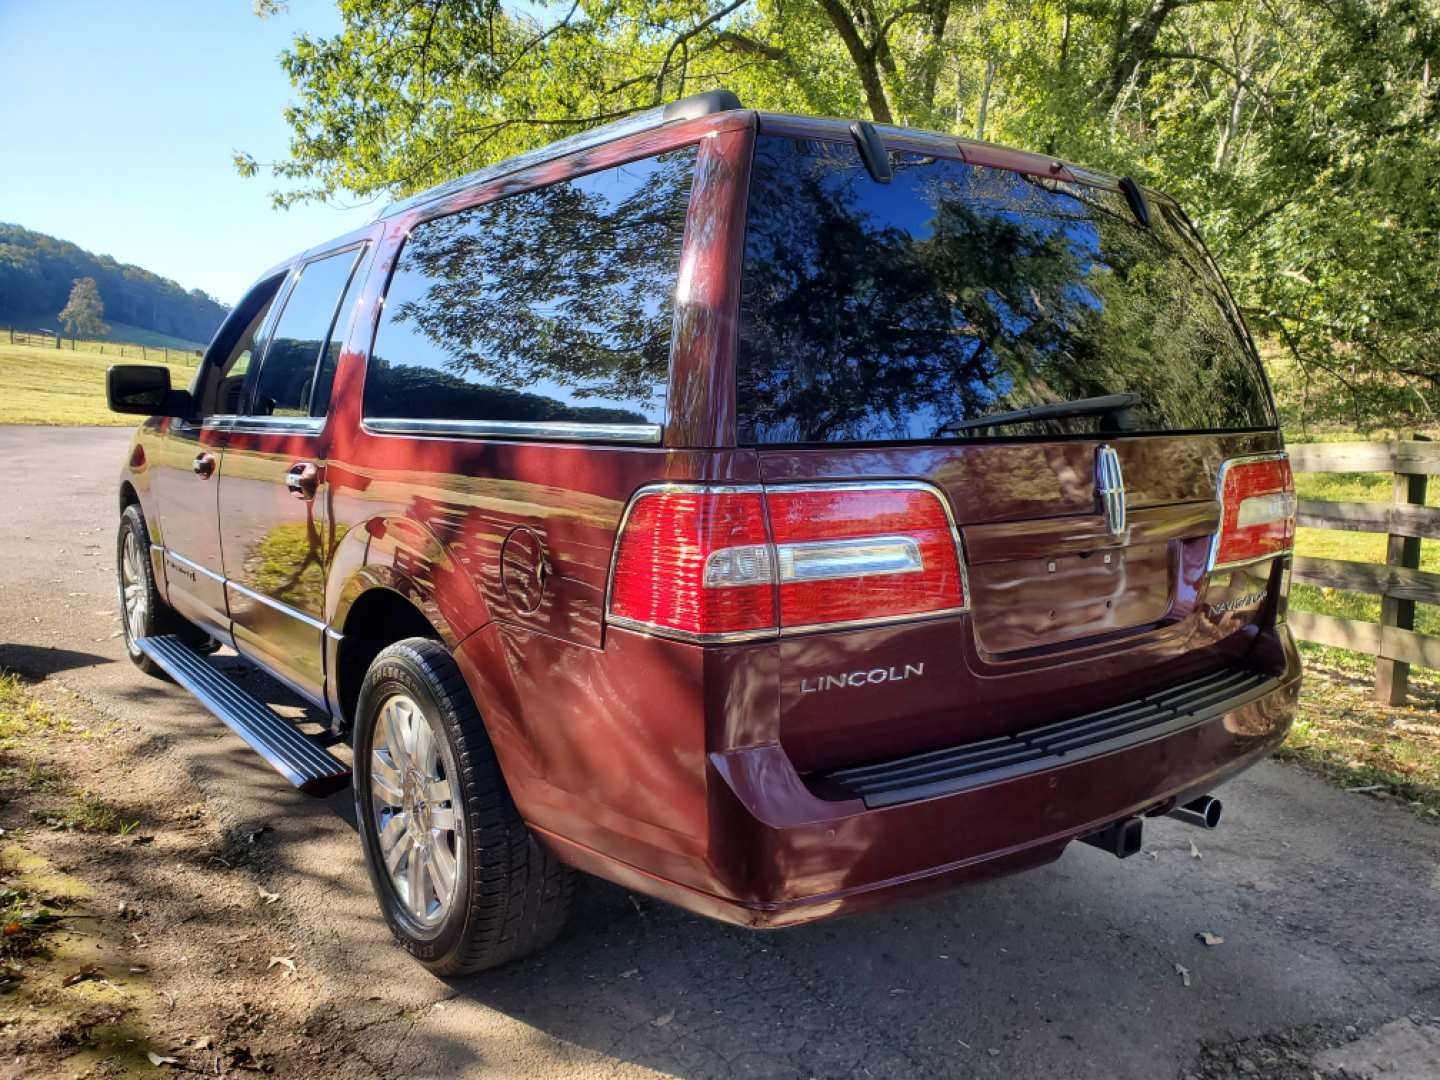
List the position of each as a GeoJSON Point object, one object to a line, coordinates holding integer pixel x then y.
{"type": "Point", "coordinates": [1329, 903]}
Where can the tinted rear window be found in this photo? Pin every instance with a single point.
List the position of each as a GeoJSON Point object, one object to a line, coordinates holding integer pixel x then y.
{"type": "Point", "coordinates": [549, 305]}
{"type": "Point", "coordinates": [876, 312]}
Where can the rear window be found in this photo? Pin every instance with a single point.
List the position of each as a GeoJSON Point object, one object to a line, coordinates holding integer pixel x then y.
{"type": "Point", "coordinates": [957, 293]}
{"type": "Point", "coordinates": [552, 305]}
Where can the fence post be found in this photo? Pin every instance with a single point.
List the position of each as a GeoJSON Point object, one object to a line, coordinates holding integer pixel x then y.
{"type": "Point", "coordinates": [1392, 677]}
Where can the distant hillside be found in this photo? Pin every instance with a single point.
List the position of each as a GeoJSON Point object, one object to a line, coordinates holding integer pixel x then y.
{"type": "Point", "coordinates": [37, 271]}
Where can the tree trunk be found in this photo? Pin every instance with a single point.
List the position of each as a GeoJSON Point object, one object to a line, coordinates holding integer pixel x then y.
{"type": "Point", "coordinates": [863, 57]}
{"type": "Point", "coordinates": [984, 110]}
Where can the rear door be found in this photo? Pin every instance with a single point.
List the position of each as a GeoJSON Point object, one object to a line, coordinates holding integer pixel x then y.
{"type": "Point", "coordinates": [272, 491]}
{"type": "Point", "coordinates": [1069, 379]}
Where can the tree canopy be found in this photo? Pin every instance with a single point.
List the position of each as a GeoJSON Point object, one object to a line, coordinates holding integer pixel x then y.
{"type": "Point", "coordinates": [84, 313]}
{"type": "Point", "coordinates": [1303, 136]}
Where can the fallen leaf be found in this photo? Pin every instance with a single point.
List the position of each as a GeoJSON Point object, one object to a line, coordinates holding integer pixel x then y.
{"type": "Point", "coordinates": [1153, 854]}
{"type": "Point", "coordinates": [1210, 939]}
{"type": "Point", "coordinates": [1184, 973]}
{"type": "Point", "coordinates": [282, 961]}
{"type": "Point", "coordinates": [268, 897]}
{"type": "Point", "coordinates": [14, 926]}
{"type": "Point", "coordinates": [89, 971]}
{"type": "Point", "coordinates": [204, 1043]}
{"type": "Point", "coordinates": [664, 1018]}
{"type": "Point", "coordinates": [628, 974]}
{"type": "Point", "coordinates": [157, 1060]}
{"type": "Point", "coordinates": [1195, 851]}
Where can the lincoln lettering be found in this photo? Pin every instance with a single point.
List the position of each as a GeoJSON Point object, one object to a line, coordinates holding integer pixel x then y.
{"type": "Point", "coordinates": [861, 678]}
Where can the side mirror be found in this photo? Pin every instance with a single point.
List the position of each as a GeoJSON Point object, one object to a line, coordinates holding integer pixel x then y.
{"type": "Point", "coordinates": [144, 389]}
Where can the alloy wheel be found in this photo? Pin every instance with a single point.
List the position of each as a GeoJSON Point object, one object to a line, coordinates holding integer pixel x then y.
{"type": "Point", "coordinates": [417, 821]}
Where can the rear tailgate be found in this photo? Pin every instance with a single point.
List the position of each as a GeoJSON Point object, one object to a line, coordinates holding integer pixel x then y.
{"type": "Point", "coordinates": [1065, 618]}
{"type": "Point", "coordinates": [908, 330]}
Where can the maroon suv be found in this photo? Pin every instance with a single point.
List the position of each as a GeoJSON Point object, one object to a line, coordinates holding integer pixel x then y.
{"type": "Point", "coordinates": [770, 514]}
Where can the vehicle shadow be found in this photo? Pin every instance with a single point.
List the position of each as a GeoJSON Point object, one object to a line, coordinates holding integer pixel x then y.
{"type": "Point", "coordinates": [37, 661]}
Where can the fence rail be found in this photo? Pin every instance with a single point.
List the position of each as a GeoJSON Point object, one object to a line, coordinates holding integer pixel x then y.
{"type": "Point", "coordinates": [1399, 582]}
{"type": "Point", "coordinates": [122, 349]}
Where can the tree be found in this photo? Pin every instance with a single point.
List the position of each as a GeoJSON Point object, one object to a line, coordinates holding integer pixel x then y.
{"type": "Point", "coordinates": [1300, 136]}
{"type": "Point", "coordinates": [85, 310]}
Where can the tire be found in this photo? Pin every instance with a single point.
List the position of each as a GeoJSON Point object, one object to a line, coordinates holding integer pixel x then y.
{"type": "Point", "coordinates": [135, 582]}
{"type": "Point", "coordinates": [429, 793]}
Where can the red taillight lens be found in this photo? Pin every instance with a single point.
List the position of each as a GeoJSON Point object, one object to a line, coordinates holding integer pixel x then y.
{"type": "Point", "coordinates": [702, 562]}
{"type": "Point", "coordinates": [850, 553]}
{"type": "Point", "coordinates": [696, 562]}
{"type": "Point", "coordinates": [1257, 499]}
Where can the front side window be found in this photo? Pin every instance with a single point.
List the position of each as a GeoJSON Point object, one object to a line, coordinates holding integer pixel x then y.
{"type": "Point", "coordinates": [549, 305]}
{"type": "Point", "coordinates": [957, 300]}
{"type": "Point", "coordinates": [288, 374]}
{"type": "Point", "coordinates": [220, 387]}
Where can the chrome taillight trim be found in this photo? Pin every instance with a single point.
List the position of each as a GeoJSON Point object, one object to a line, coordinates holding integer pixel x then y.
{"type": "Point", "coordinates": [1247, 459]}
{"type": "Point", "coordinates": [738, 636]}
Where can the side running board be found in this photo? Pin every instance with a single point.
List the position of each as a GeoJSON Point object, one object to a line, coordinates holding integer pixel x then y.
{"type": "Point", "coordinates": [292, 753]}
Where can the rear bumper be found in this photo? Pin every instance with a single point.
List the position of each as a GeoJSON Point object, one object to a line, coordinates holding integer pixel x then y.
{"type": "Point", "coordinates": [779, 854]}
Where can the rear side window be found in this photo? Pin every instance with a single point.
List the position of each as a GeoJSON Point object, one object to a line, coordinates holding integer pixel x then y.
{"type": "Point", "coordinates": [957, 293]}
{"type": "Point", "coordinates": [552, 305]}
{"type": "Point", "coordinates": [288, 374]}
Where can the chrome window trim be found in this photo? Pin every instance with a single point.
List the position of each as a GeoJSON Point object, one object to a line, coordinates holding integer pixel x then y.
{"type": "Point", "coordinates": [546, 430]}
{"type": "Point", "coordinates": [1211, 566]}
{"type": "Point", "coordinates": [306, 425]}
{"type": "Point", "coordinates": [775, 632]}
{"type": "Point", "coordinates": [285, 609]}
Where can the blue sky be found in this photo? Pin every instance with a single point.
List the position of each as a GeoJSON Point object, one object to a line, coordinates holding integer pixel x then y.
{"type": "Point", "coordinates": [119, 121]}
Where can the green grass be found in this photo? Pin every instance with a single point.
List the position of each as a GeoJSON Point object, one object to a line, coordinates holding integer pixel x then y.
{"type": "Point", "coordinates": [44, 385]}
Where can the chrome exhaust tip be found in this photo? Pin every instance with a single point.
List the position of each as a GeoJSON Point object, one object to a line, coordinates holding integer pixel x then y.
{"type": "Point", "coordinates": [1203, 813]}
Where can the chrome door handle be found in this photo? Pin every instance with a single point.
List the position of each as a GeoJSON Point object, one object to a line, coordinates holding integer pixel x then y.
{"type": "Point", "coordinates": [204, 465]}
{"type": "Point", "coordinates": [302, 480]}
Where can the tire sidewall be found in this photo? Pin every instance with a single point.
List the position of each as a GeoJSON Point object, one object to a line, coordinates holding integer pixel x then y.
{"type": "Point", "coordinates": [392, 673]}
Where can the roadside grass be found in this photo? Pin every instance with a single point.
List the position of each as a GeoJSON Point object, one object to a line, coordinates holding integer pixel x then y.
{"type": "Point", "coordinates": [43, 385]}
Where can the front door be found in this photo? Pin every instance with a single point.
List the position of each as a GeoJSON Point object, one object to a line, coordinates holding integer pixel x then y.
{"type": "Point", "coordinates": [272, 486]}
{"type": "Point", "coordinates": [186, 467]}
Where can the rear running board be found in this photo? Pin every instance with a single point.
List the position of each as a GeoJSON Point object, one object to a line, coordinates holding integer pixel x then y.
{"type": "Point", "coordinates": [292, 753]}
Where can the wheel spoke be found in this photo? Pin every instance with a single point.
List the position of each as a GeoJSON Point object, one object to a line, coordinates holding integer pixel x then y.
{"type": "Point", "coordinates": [423, 744]}
{"type": "Point", "coordinates": [394, 736]}
{"type": "Point", "coordinates": [385, 780]}
{"type": "Point", "coordinates": [438, 791]}
{"type": "Point", "coordinates": [394, 841]}
{"type": "Point", "coordinates": [417, 885]}
{"type": "Point", "coordinates": [442, 820]}
{"type": "Point", "coordinates": [442, 868]}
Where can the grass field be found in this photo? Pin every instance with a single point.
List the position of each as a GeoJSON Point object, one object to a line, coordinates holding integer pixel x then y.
{"type": "Point", "coordinates": [119, 332]}
{"type": "Point", "coordinates": [45, 385]}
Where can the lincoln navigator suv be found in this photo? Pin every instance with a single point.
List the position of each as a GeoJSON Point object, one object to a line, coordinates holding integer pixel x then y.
{"type": "Point", "coordinates": [772, 515]}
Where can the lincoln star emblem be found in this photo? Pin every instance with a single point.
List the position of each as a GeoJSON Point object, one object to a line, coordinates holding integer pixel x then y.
{"type": "Point", "coordinates": [1110, 488]}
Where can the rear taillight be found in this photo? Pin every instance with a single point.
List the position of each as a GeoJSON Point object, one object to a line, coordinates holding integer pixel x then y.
{"type": "Point", "coordinates": [1257, 503]}
{"type": "Point", "coordinates": [736, 563]}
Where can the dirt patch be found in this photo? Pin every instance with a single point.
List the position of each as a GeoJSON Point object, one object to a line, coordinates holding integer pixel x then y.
{"type": "Point", "coordinates": [1325, 1052]}
{"type": "Point", "coordinates": [1390, 753]}
{"type": "Point", "coordinates": [139, 927]}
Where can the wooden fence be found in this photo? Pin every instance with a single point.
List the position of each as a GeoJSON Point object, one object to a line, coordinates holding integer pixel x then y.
{"type": "Point", "coordinates": [120, 349]}
{"type": "Point", "coordinates": [1400, 583]}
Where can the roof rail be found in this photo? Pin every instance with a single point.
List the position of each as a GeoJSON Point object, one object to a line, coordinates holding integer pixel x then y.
{"type": "Point", "coordinates": [687, 108]}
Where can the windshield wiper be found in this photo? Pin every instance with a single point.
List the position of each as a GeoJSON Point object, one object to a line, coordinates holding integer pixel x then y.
{"type": "Point", "coordinates": [1092, 406]}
